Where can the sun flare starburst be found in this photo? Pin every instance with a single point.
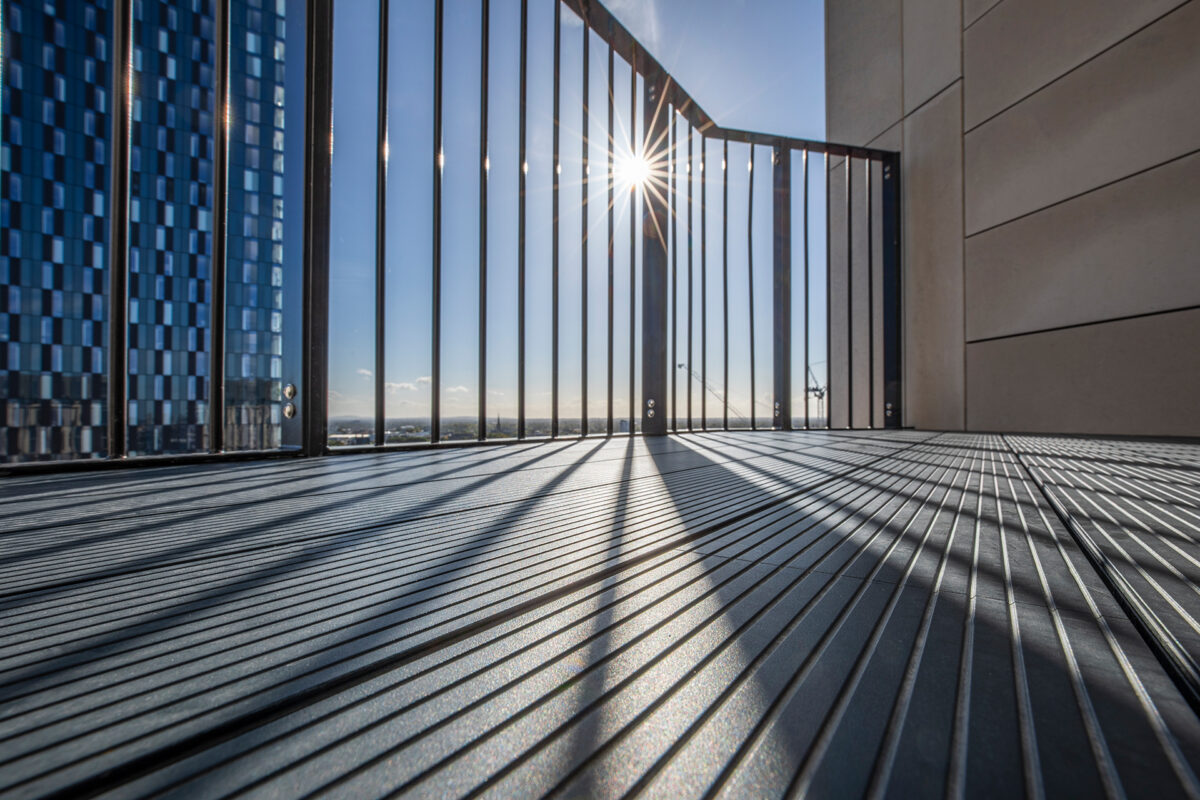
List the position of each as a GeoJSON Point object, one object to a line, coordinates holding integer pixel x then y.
{"type": "Point", "coordinates": [633, 170]}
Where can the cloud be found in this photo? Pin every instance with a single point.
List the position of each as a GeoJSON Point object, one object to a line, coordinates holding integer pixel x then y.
{"type": "Point", "coordinates": [366, 373]}
{"type": "Point", "coordinates": [457, 389]}
{"type": "Point", "coordinates": [392, 387]}
{"type": "Point", "coordinates": [495, 393]}
{"type": "Point", "coordinates": [424, 379]}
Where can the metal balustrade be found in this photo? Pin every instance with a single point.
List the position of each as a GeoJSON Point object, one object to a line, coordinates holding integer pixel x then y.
{"type": "Point", "coordinates": [670, 266]}
{"type": "Point", "coordinates": [662, 316]}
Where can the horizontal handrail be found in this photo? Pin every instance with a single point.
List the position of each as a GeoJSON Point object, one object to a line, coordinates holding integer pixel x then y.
{"type": "Point", "coordinates": [597, 17]}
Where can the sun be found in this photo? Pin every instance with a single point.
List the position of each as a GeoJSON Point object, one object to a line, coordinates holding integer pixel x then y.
{"type": "Point", "coordinates": [634, 170]}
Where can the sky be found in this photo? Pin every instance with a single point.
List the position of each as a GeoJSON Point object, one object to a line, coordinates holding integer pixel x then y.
{"type": "Point", "coordinates": [751, 64]}
{"type": "Point", "coordinates": [755, 65]}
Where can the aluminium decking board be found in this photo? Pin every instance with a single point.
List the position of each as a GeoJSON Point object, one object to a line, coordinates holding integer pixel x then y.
{"type": "Point", "coordinates": [125, 704]}
{"type": "Point", "coordinates": [746, 566]}
{"type": "Point", "coordinates": [703, 576]}
{"type": "Point", "coordinates": [1141, 509]}
{"type": "Point", "coordinates": [376, 534]}
{"type": "Point", "coordinates": [291, 515]}
{"type": "Point", "coordinates": [146, 644]}
{"type": "Point", "coordinates": [869, 608]}
{"type": "Point", "coordinates": [142, 595]}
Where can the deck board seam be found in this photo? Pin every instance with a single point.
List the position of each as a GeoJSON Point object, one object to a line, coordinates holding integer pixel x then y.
{"type": "Point", "coordinates": [1178, 664]}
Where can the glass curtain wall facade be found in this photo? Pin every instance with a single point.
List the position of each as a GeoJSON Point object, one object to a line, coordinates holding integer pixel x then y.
{"type": "Point", "coordinates": [54, 208]}
{"type": "Point", "coordinates": [260, 144]}
{"type": "Point", "coordinates": [171, 193]}
{"type": "Point", "coordinates": [59, 74]}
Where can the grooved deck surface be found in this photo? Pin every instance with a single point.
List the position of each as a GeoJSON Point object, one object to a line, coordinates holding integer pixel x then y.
{"type": "Point", "coordinates": [1138, 506]}
{"type": "Point", "coordinates": [732, 614]}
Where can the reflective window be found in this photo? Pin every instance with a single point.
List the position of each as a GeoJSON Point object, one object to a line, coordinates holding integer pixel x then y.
{"type": "Point", "coordinates": [58, 211]}
{"type": "Point", "coordinates": [265, 247]}
{"type": "Point", "coordinates": [171, 192]}
{"type": "Point", "coordinates": [54, 218]}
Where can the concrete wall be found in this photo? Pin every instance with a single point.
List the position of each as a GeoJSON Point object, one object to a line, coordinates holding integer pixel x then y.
{"type": "Point", "coordinates": [1051, 173]}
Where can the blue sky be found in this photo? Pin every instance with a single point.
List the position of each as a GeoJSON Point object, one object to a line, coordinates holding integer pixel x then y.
{"type": "Point", "coordinates": [756, 65]}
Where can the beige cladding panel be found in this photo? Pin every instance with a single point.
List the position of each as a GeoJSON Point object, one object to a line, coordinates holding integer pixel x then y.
{"type": "Point", "coordinates": [932, 42]}
{"type": "Point", "coordinates": [861, 300]}
{"type": "Point", "coordinates": [972, 10]}
{"type": "Point", "coordinates": [1083, 199]}
{"type": "Point", "coordinates": [1138, 377]}
{"type": "Point", "coordinates": [838, 354]}
{"type": "Point", "coordinates": [931, 177]}
{"type": "Point", "coordinates": [1126, 249]}
{"type": "Point", "coordinates": [875, 348]}
{"type": "Point", "coordinates": [862, 69]}
{"type": "Point", "coordinates": [891, 139]}
{"type": "Point", "coordinates": [1022, 45]}
{"type": "Point", "coordinates": [1129, 109]}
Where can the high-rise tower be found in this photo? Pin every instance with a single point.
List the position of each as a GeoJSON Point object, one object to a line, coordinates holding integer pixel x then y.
{"type": "Point", "coordinates": [58, 70]}
{"type": "Point", "coordinates": [54, 209]}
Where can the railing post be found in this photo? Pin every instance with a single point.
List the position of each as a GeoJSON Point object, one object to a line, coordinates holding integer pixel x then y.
{"type": "Point", "coordinates": [381, 144]}
{"type": "Point", "coordinates": [118, 235]}
{"type": "Point", "coordinates": [319, 79]}
{"type": "Point", "coordinates": [217, 323]}
{"type": "Point", "coordinates": [892, 325]}
{"type": "Point", "coordinates": [782, 271]}
{"type": "Point", "coordinates": [654, 259]}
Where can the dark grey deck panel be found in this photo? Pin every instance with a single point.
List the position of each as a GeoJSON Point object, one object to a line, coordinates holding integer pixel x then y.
{"type": "Point", "coordinates": [734, 614]}
{"type": "Point", "coordinates": [1138, 505]}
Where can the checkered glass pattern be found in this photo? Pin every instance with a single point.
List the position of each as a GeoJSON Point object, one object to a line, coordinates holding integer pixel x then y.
{"type": "Point", "coordinates": [170, 225]}
{"type": "Point", "coordinates": [54, 206]}
{"type": "Point", "coordinates": [254, 273]}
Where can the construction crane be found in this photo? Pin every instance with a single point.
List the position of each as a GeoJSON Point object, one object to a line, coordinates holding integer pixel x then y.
{"type": "Point", "coordinates": [711, 390]}
{"type": "Point", "coordinates": [818, 391]}
{"type": "Point", "coordinates": [814, 390]}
